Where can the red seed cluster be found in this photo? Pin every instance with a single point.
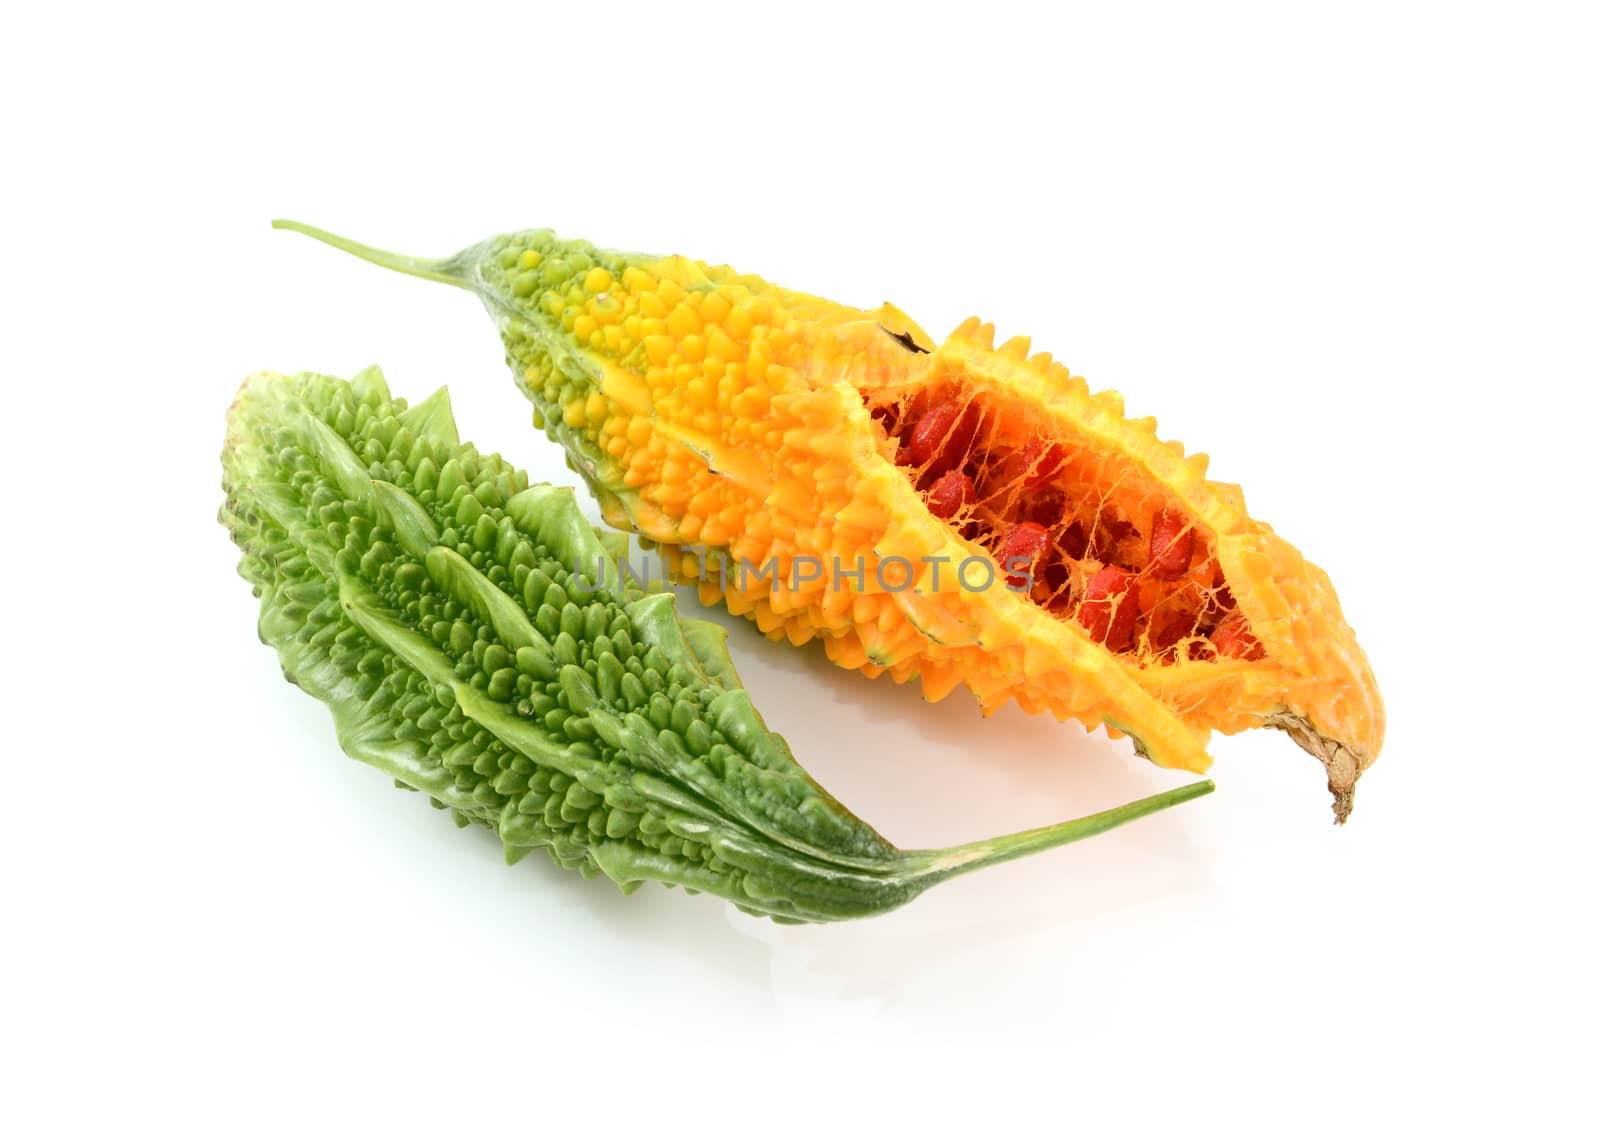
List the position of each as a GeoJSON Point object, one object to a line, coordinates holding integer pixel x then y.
{"type": "Point", "coordinates": [1015, 498]}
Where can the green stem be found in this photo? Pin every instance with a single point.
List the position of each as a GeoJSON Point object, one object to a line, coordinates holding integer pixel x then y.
{"type": "Point", "coordinates": [417, 267]}
{"type": "Point", "coordinates": [970, 856]}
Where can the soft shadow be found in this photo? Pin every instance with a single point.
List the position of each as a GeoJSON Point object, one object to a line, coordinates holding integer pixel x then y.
{"type": "Point", "coordinates": [936, 774]}
{"type": "Point", "coordinates": [656, 922]}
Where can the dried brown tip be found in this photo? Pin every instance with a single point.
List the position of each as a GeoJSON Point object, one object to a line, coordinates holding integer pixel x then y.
{"type": "Point", "coordinates": [1343, 762]}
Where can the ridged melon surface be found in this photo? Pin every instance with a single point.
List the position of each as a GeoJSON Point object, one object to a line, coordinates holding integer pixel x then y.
{"type": "Point", "coordinates": [956, 514]}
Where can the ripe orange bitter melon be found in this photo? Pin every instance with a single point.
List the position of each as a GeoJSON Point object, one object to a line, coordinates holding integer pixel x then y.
{"type": "Point", "coordinates": [958, 513]}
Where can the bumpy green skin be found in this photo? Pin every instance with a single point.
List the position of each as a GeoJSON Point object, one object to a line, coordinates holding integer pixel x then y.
{"type": "Point", "coordinates": [427, 595]}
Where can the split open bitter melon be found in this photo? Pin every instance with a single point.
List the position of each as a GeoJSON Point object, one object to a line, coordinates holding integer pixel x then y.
{"type": "Point", "coordinates": [1017, 532]}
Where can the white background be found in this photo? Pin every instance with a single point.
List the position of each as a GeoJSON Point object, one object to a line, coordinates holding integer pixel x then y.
{"type": "Point", "coordinates": [1352, 255]}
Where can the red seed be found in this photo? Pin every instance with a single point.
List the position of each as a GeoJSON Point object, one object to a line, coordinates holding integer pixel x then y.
{"type": "Point", "coordinates": [1021, 551]}
{"type": "Point", "coordinates": [1171, 545]}
{"type": "Point", "coordinates": [941, 438]}
{"type": "Point", "coordinates": [1041, 463]}
{"type": "Point", "coordinates": [1233, 638]}
{"type": "Point", "coordinates": [949, 494]}
{"type": "Point", "coordinates": [1109, 610]}
{"type": "Point", "coordinates": [928, 436]}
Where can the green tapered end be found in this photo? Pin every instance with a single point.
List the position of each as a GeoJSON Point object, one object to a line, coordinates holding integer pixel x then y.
{"type": "Point", "coordinates": [936, 865]}
{"type": "Point", "coordinates": [444, 270]}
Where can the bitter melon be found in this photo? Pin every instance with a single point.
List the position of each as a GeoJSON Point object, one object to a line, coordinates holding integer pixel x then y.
{"type": "Point", "coordinates": [957, 513]}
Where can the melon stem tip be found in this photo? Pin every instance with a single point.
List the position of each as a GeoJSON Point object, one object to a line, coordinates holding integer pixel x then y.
{"type": "Point", "coordinates": [434, 270]}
